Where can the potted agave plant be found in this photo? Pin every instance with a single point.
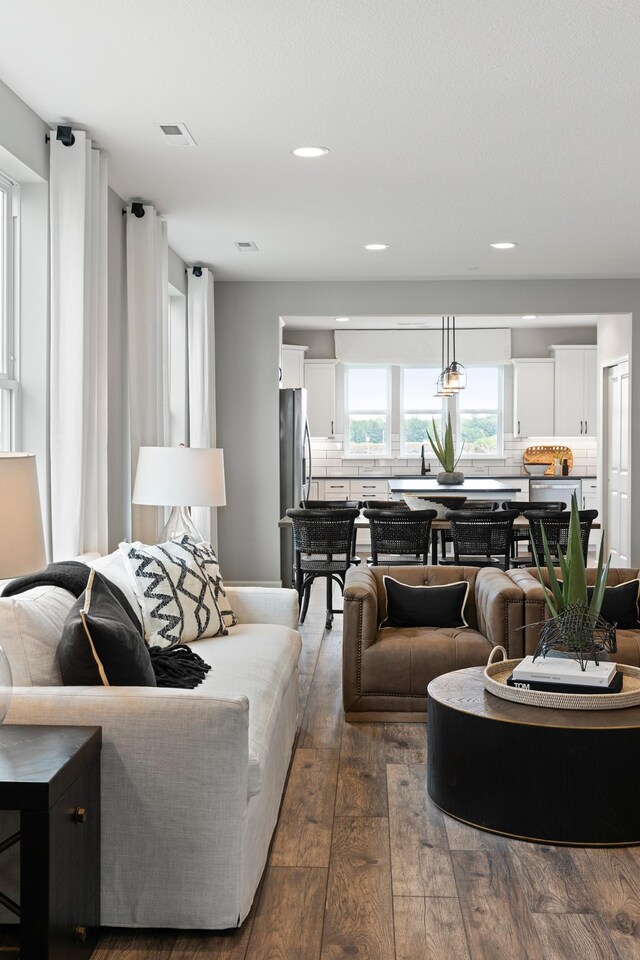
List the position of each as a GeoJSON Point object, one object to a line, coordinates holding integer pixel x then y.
{"type": "Point", "coordinates": [444, 449]}
{"type": "Point", "coordinates": [576, 626]}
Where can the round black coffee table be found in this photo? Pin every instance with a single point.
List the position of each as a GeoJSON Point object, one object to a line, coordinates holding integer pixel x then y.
{"type": "Point", "coordinates": [549, 776]}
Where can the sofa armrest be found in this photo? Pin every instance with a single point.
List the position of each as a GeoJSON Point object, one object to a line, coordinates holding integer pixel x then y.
{"type": "Point", "coordinates": [360, 624]}
{"type": "Point", "coordinates": [174, 790]}
{"type": "Point", "coordinates": [264, 605]}
{"type": "Point", "coordinates": [535, 609]}
{"type": "Point", "coordinates": [500, 610]}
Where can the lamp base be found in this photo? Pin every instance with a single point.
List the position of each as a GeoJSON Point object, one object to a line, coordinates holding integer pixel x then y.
{"type": "Point", "coordinates": [179, 525]}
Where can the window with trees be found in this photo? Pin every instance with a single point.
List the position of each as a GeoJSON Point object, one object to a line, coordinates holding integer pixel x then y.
{"type": "Point", "coordinates": [368, 411]}
{"type": "Point", "coordinates": [418, 407]}
{"type": "Point", "coordinates": [479, 412]}
{"type": "Point", "coordinates": [8, 384]}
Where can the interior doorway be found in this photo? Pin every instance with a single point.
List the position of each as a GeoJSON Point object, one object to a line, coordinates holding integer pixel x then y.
{"type": "Point", "coordinates": [615, 494]}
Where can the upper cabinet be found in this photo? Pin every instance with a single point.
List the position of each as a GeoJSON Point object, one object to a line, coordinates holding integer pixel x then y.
{"type": "Point", "coordinates": [533, 398]}
{"type": "Point", "coordinates": [576, 391]}
{"type": "Point", "coordinates": [320, 381]}
{"type": "Point", "coordinates": [292, 365]}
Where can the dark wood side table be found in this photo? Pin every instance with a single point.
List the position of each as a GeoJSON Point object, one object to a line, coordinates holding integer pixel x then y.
{"type": "Point", "coordinates": [51, 775]}
{"type": "Point", "coordinates": [550, 776]}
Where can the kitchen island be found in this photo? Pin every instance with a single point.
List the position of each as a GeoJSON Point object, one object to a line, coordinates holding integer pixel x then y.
{"type": "Point", "coordinates": [471, 487]}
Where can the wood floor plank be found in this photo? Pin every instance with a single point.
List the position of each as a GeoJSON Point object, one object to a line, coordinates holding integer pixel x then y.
{"type": "Point", "coordinates": [497, 923]}
{"type": "Point", "coordinates": [205, 945]}
{"type": "Point", "coordinates": [359, 909]}
{"type": "Point", "coordinates": [573, 936]}
{"type": "Point", "coordinates": [329, 662]}
{"type": "Point", "coordinates": [304, 687]}
{"type": "Point", "coordinates": [303, 834]}
{"type": "Point", "coordinates": [288, 920]}
{"type": "Point", "coordinates": [125, 944]}
{"type": "Point", "coordinates": [420, 858]}
{"type": "Point", "coordinates": [463, 837]}
{"type": "Point", "coordinates": [405, 742]}
{"type": "Point", "coordinates": [429, 929]}
{"type": "Point", "coordinates": [549, 879]}
{"type": "Point", "coordinates": [612, 878]}
{"type": "Point", "coordinates": [322, 721]}
{"type": "Point", "coordinates": [362, 778]}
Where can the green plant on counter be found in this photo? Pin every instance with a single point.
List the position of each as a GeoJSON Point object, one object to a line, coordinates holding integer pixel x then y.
{"type": "Point", "coordinates": [574, 576]}
{"type": "Point", "coordinates": [444, 448]}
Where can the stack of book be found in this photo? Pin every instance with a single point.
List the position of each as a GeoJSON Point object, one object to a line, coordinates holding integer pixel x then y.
{"type": "Point", "coordinates": [564, 675]}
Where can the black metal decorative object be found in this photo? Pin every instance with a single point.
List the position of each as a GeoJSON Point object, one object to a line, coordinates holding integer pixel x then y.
{"type": "Point", "coordinates": [580, 633]}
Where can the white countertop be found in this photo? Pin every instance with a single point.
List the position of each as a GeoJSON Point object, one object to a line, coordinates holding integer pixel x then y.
{"type": "Point", "coordinates": [469, 485]}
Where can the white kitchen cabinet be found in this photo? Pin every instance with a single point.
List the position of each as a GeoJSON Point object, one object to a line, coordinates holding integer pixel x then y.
{"type": "Point", "coordinates": [320, 381]}
{"type": "Point", "coordinates": [292, 363]}
{"type": "Point", "coordinates": [589, 494]}
{"type": "Point", "coordinates": [576, 391]}
{"type": "Point", "coordinates": [533, 397]}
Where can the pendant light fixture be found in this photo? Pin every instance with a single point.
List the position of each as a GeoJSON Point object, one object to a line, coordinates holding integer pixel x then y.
{"type": "Point", "coordinates": [453, 377]}
{"type": "Point", "coordinates": [455, 374]}
{"type": "Point", "coordinates": [442, 389]}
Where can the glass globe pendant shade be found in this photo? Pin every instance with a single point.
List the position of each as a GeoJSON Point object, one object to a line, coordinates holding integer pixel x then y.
{"type": "Point", "coordinates": [6, 685]}
{"type": "Point", "coordinates": [442, 389]}
{"type": "Point", "coordinates": [455, 376]}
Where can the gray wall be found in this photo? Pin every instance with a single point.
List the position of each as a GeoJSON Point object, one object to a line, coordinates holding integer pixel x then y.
{"type": "Point", "coordinates": [321, 343]}
{"type": "Point", "coordinates": [529, 342]}
{"type": "Point", "coordinates": [247, 317]}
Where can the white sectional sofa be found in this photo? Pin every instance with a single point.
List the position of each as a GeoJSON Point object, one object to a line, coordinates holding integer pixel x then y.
{"type": "Point", "coordinates": [191, 779]}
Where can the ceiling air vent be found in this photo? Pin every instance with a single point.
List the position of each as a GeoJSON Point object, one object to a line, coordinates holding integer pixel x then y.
{"type": "Point", "coordinates": [246, 246]}
{"type": "Point", "coordinates": [176, 134]}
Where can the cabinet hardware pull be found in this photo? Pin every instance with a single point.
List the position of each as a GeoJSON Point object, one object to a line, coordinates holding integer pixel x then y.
{"type": "Point", "coordinates": [79, 815]}
{"type": "Point", "coordinates": [518, 426]}
{"type": "Point", "coordinates": [586, 427]}
{"type": "Point", "coordinates": [336, 486]}
{"type": "Point", "coordinates": [332, 426]}
{"type": "Point", "coordinates": [368, 486]}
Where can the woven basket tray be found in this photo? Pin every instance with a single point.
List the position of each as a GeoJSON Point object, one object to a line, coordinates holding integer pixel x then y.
{"type": "Point", "coordinates": [495, 681]}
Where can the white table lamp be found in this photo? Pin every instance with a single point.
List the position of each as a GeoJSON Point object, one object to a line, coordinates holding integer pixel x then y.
{"type": "Point", "coordinates": [180, 477]}
{"type": "Point", "coordinates": [21, 537]}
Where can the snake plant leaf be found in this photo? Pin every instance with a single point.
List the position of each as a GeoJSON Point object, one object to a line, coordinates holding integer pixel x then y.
{"type": "Point", "coordinates": [557, 595]}
{"type": "Point", "coordinates": [575, 588]}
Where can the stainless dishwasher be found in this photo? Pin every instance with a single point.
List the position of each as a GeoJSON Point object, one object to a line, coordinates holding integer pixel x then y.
{"type": "Point", "coordinates": [556, 488]}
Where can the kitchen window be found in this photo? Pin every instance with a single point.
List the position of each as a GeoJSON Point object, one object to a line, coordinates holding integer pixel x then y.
{"type": "Point", "coordinates": [477, 413]}
{"type": "Point", "coordinates": [368, 411]}
{"type": "Point", "coordinates": [418, 408]}
{"type": "Point", "coordinates": [8, 385]}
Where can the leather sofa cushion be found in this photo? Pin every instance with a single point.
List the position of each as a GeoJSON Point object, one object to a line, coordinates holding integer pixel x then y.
{"type": "Point", "coordinates": [404, 661]}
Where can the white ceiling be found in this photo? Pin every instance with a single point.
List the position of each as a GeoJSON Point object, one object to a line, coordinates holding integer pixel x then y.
{"type": "Point", "coordinates": [434, 323]}
{"type": "Point", "coordinates": [451, 124]}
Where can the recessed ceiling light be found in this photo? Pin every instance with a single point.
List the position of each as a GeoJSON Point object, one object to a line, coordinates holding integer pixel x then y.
{"type": "Point", "coordinates": [342, 319]}
{"type": "Point", "coordinates": [309, 152]}
{"type": "Point", "coordinates": [376, 246]}
{"type": "Point", "coordinates": [504, 245]}
{"type": "Point", "coordinates": [530, 316]}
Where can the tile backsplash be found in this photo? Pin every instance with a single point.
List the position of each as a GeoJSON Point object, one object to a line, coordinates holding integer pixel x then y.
{"type": "Point", "coordinates": [329, 459]}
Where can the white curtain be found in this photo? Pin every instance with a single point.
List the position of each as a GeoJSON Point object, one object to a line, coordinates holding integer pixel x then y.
{"type": "Point", "coordinates": [78, 387]}
{"type": "Point", "coordinates": [201, 366]}
{"type": "Point", "coordinates": [148, 324]}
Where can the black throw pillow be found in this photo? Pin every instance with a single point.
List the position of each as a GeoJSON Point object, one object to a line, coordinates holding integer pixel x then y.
{"type": "Point", "coordinates": [441, 605]}
{"type": "Point", "coordinates": [101, 644]}
{"type": "Point", "coordinates": [620, 604]}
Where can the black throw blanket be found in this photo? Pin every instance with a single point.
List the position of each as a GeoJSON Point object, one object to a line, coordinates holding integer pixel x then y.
{"type": "Point", "coordinates": [176, 666]}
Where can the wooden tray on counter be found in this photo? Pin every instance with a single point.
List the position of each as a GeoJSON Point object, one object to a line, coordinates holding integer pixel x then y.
{"type": "Point", "coordinates": [547, 453]}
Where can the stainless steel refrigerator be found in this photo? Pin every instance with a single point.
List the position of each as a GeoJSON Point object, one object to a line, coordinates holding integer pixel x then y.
{"type": "Point", "coordinates": [295, 467]}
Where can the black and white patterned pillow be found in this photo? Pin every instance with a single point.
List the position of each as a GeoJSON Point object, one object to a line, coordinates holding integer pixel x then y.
{"type": "Point", "coordinates": [206, 556]}
{"type": "Point", "coordinates": [175, 583]}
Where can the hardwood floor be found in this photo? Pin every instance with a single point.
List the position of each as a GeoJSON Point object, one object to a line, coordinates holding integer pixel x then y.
{"type": "Point", "coordinates": [364, 865]}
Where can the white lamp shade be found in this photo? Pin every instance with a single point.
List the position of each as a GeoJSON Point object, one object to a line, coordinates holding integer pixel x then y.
{"type": "Point", "coordinates": [180, 477]}
{"type": "Point", "coordinates": [21, 537]}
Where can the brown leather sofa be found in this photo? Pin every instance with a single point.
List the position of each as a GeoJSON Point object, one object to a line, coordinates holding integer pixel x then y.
{"type": "Point", "coordinates": [386, 672]}
{"type": "Point", "coordinates": [536, 610]}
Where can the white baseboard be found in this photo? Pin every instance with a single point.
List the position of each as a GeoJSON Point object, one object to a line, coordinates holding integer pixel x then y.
{"type": "Point", "coordinates": [253, 583]}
